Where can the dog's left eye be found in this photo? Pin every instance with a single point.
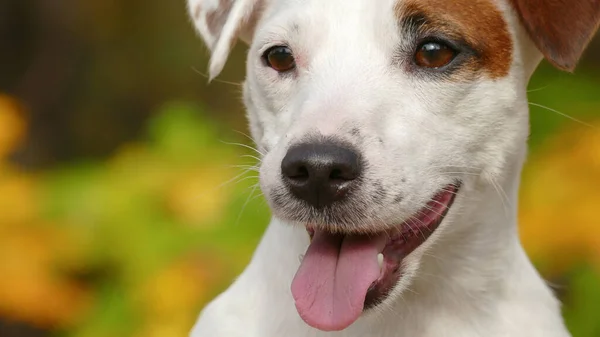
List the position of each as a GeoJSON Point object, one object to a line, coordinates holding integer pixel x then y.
{"type": "Point", "coordinates": [434, 55]}
{"type": "Point", "coordinates": [280, 58]}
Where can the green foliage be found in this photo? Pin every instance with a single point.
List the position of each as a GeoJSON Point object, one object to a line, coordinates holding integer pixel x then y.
{"type": "Point", "coordinates": [157, 207]}
{"type": "Point", "coordinates": [583, 302]}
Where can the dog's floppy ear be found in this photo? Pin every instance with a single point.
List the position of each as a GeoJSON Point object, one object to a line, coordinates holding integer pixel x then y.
{"type": "Point", "coordinates": [561, 29]}
{"type": "Point", "coordinates": [221, 23]}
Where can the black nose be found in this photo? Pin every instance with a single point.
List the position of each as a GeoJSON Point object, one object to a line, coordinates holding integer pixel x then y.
{"type": "Point", "coordinates": [320, 173]}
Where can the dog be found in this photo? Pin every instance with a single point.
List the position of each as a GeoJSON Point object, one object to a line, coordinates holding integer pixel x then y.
{"type": "Point", "coordinates": [392, 136]}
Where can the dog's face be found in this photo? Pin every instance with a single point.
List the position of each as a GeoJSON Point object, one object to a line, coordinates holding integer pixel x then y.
{"type": "Point", "coordinates": [377, 119]}
{"type": "Point", "coordinates": [422, 92]}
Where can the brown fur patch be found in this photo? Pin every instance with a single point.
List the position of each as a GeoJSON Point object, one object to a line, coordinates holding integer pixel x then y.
{"type": "Point", "coordinates": [561, 29]}
{"type": "Point", "coordinates": [478, 22]}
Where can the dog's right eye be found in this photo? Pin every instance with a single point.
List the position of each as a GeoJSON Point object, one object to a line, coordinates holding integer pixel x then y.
{"type": "Point", "coordinates": [434, 55]}
{"type": "Point", "coordinates": [280, 58]}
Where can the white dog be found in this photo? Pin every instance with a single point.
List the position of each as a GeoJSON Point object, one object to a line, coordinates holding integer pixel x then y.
{"type": "Point", "coordinates": [393, 135]}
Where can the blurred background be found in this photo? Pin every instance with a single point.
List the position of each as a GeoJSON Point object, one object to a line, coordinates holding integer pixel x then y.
{"type": "Point", "coordinates": [124, 207]}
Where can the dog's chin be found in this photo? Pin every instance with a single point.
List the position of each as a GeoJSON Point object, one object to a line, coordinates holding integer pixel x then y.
{"type": "Point", "coordinates": [344, 274]}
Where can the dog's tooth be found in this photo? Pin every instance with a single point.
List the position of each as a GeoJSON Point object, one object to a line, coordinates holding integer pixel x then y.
{"type": "Point", "coordinates": [380, 260]}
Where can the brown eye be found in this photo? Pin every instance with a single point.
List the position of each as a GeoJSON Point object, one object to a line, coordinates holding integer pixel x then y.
{"type": "Point", "coordinates": [434, 55]}
{"type": "Point", "coordinates": [280, 58]}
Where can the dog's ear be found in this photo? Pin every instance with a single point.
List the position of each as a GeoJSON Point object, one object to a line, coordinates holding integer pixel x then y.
{"type": "Point", "coordinates": [561, 29]}
{"type": "Point", "coordinates": [221, 23]}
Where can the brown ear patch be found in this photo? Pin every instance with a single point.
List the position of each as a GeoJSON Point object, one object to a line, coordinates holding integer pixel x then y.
{"type": "Point", "coordinates": [479, 22]}
{"type": "Point", "coordinates": [561, 29]}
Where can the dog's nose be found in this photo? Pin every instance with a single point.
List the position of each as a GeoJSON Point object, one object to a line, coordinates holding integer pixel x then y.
{"type": "Point", "coordinates": [320, 173]}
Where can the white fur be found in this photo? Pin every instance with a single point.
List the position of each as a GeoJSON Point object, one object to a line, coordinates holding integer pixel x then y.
{"type": "Point", "coordinates": [471, 277]}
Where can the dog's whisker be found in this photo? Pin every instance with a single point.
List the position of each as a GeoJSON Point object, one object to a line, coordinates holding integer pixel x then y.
{"type": "Point", "coordinates": [246, 135]}
{"type": "Point", "coordinates": [214, 79]}
{"type": "Point", "coordinates": [247, 178]}
{"type": "Point", "coordinates": [244, 146]}
{"type": "Point", "coordinates": [260, 194]}
{"type": "Point", "coordinates": [538, 89]}
{"type": "Point", "coordinates": [247, 167]}
{"type": "Point", "coordinates": [461, 172]}
{"type": "Point", "coordinates": [251, 156]}
{"type": "Point", "coordinates": [410, 222]}
{"type": "Point", "coordinates": [454, 167]}
{"type": "Point", "coordinates": [503, 197]}
{"type": "Point", "coordinates": [432, 209]}
{"type": "Point", "coordinates": [245, 204]}
{"type": "Point", "coordinates": [564, 115]}
{"type": "Point", "coordinates": [237, 179]}
{"type": "Point", "coordinates": [421, 232]}
{"type": "Point", "coordinates": [252, 165]}
{"type": "Point", "coordinates": [445, 189]}
{"type": "Point", "coordinates": [233, 180]}
{"type": "Point", "coordinates": [429, 209]}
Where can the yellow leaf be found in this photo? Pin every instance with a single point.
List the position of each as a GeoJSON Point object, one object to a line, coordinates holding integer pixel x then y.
{"type": "Point", "coordinates": [18, 197]}
{"type": "Point", "coordinates": [169, 301]}
{"type": "Point", "coordinates": [12, 125]}
{"type": "Point", "coordinates": [199, 196]}
{"type": "Point", "coordinates": [30, 288]}
{"type": "Point", "coordinates": [559, 200]}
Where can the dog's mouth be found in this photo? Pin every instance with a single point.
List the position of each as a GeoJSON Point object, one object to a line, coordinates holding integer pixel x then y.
{"type": "Point", "coordinates": [343, 275]}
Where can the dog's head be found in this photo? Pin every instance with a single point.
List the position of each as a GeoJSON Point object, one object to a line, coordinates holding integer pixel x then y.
{"type": "Point", "coordinates": [377, 117]}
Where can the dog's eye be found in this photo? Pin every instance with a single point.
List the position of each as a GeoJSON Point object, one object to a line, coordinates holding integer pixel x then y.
{"type": "Point", "coordinates": [434, 55]}
{"type": "Point", "coordinates": [280, 58]}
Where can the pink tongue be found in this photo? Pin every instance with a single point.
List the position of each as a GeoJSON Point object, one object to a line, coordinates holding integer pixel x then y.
{"type": "Point", "coordinates": [332, 282]}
